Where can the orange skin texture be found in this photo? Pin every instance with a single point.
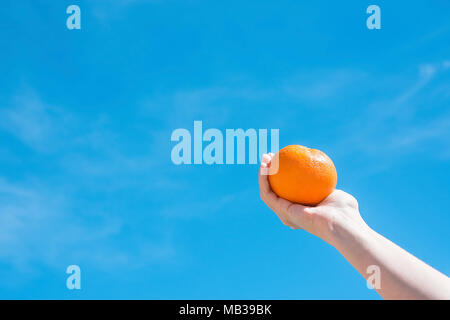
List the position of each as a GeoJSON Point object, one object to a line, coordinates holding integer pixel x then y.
{"type": "Point", "coordinates": [305, 176]}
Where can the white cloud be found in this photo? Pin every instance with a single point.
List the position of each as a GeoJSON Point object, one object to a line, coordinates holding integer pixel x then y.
{"type": "Point", "coordinates": [41, 227]}
{"type": "Point", "coordinates": [316, 87]}
{"type": "Point", "coordinates": [427, 71]}
{"type": "Point", "coordinates": [433, 130]}
{"type": "Point", "coordinates": [40, 219]}
{"type": "Point", "coordinates": [395, 125]}
{"type": "Point", "coordinates": [33, 122]}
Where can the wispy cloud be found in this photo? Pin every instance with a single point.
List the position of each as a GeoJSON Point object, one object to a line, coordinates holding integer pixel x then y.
{"type": "Point", "coordinates": [318, 87]}
{"type": "Point", "coordinates": [86, 145]}
{"type": "Point", "coordinates": [220, 105]}
{"type": "Point", "coordinates": [39, 227]}
{"type": "Point", "coordinates": [43, 220]}
{"type": "Point", "coordinates": [400, 124]}
{"type": "Point", "coordinates": [432, 130]}
{"type": "Point", "coordinates": [35, 123]}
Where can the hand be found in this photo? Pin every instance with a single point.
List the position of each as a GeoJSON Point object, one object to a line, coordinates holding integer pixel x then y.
{"type": "Point", "coordinates": [339, 211]}
{"type": "Point", "coordinates": [337, 221]}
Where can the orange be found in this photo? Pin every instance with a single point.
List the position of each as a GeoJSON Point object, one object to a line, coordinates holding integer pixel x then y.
{"type": "Point", "coordinates": [305, 176]}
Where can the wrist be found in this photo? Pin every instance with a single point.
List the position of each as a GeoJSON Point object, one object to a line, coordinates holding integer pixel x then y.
{"type": "Point", "coordinates": [347, 233]}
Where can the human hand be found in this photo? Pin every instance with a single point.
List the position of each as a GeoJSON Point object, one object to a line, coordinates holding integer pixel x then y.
{"type": "Point", "coordinates": [337, 221]}
{"type": "Point", "coordinates": [327, 220]}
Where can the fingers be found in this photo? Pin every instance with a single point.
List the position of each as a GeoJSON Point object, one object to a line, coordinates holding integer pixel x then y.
{"type": "Point", "coordinates": [263, 178]}
{"type": "Point", "coordinates": [289, 213]}
{"type": "Point", "coordinates": [267, 195]}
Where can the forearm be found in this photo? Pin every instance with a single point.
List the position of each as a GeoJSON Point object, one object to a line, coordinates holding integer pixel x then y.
{"type": "Point", "coordinates": [403, 276]}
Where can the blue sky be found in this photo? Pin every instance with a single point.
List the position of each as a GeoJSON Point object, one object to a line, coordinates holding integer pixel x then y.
{"type": "Point", "coordinates": [85, 123]}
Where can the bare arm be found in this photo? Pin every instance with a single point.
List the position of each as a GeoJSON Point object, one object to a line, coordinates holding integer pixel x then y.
{"type": "Point", "coordinates": [337, 221]}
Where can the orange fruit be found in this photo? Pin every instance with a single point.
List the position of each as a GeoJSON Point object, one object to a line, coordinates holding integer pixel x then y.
{"type": "Point", "coordinates": [305, 176]}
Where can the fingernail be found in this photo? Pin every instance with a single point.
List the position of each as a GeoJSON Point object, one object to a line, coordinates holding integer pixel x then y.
{"type": "Point", "coordinates": [265, 158]}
